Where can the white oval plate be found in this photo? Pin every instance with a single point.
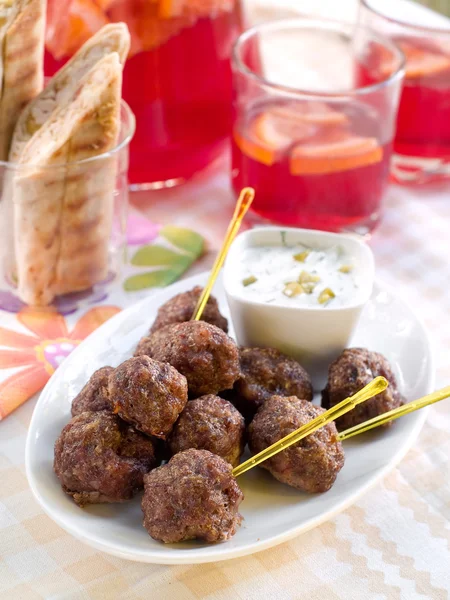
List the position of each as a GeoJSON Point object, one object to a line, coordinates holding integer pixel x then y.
{"type": "Point", "coordinates": [273, 512]}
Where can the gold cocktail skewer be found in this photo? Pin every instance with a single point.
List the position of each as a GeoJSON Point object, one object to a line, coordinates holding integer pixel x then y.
{"type": "Point", "coordinates": [396, 413]}
{"type": "Point", "coordinates": [376, 386]}
{"type": "Point", "coordinates": [242, 205]}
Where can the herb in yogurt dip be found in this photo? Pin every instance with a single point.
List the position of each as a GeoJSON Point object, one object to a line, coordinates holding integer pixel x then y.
{"type": "Point", "coordinates": [249, 280]}
{"type": "Point", "coordinates": [301, 256]}
{"type": "Point", "coordinates": [326, 295]}
{"type": "Point", "coordinates": [298, 275]}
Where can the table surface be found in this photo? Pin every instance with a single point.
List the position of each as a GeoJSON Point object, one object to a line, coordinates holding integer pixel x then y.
{"type": "Point", "coordinates": [393, 543]}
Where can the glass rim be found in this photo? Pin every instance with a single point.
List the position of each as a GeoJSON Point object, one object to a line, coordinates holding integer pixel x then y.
{"type": "Point", "coordinates": [324, 25]}
{"type": "Point", "coordinates": [130, 130]}
{"type": "Point", "coordinates": [421, 28]}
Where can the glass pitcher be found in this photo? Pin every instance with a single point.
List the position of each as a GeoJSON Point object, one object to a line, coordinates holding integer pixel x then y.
{"type": "Point", "coordinates": [177, 79]}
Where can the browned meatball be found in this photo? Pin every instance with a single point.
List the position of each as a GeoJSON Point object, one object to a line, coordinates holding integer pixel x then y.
{"type": "Point", "coordinates": [193, 496]}
{"type": "Point", "coordinates": [95, 394]}
{"type": "Point", "coordinates": [349, 373]}
{"type": "Point", "coordinates": [181, 307]}
{"type": "Point", "coordinates": [202, 352]}
{"type": "Point", "coordinates": [312, 464]}
{"type": "Point", "coordinates": [148, 394]}
{"type": "Point", "coordinates": [210, 423]}
{"type": "Point", "coordinates": [267, 372]}
{"type": "Point", "coordinates": [99, 458]}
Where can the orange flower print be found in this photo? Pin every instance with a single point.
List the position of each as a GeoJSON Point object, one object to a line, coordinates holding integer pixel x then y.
{"type": "Point", "coordinates": [41, 353]}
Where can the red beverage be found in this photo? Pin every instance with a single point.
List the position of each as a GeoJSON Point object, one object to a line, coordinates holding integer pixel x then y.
{"type": "Point", "coordinates": [423, 126]}
{"type": "Point", "coordinates": [177, 79]}
{"type": "Point", "coordinates": [423, 123]}
{"type": "Point", "coordinates": [422, 140]}
{"type": "Point", "coordinates": [312, 164]}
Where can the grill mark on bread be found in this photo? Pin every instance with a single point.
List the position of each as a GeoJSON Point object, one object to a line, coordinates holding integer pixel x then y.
{"type": "Point", "coordinates": [17, 55]}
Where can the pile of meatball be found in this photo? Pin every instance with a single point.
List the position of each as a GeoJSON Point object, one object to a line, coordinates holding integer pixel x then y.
{"type": "Point", "coordinates": [174, 419]}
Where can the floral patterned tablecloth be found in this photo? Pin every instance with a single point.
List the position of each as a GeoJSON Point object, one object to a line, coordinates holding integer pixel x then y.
{"type": "Point", "coordinates": [34, 341]}
{"type": "Point", "coordinates": [394, 543]}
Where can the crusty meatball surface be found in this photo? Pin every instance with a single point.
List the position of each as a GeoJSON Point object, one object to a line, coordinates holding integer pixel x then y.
{"type": "Point", "coordinates": [267, 372]}
{"type": "Point", "coordinates": [181, 307]}
{"type": "Point", "coordinates": [148, 394]}
{"type": "Point", "coordinates": [349, 373]}
{"type": "Point", "coordinates": [312, 464]}
{"type": "Point", "coordinates": [210, 423]}
{"type": "Point", "coordinates": [99, 458]}
{"type": "Point", "coordinates": [202, 352]}
{"type": "Point", "coordinates": [95, 394]}
{"type": "Point", "coordinates": [193, 496]}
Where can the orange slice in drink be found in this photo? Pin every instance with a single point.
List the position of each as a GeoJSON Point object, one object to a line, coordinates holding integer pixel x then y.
{"type": "Point", "coordinates": [269, 135]}
{"type": "Point", "coordinates": [340, 151]}
{"type": "Point", "coordinates": [148, 29]}
{"type": "Point", "coordinates": [193, 8]}
{"type": "Point", "coordinates": [70, 26]}
{"type": "Point", "coordinates": [421, 62]}
{"type": "Point", "coordinates": [170, 8]}
{"type": "Point", "coordinates": [317, 113]}
{"type": "Point", "coordinates": [107, 4]}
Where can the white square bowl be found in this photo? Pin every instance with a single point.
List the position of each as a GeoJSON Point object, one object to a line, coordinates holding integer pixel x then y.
{"type": "Point", "coordinates": [314, 336]}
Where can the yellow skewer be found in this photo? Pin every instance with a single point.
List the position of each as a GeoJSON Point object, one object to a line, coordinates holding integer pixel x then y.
{"type": "Point", "coordinates": [376, 386]}
{"type": "Point", "coordinates": [396, 413]}
{"type": "Point", "coordinates": [242, 205]}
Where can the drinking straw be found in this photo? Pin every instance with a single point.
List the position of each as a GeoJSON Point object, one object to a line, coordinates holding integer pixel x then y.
{"type": "Point", "coordinates": [376, 386]}
{"type": "Point", "coordinates": [242, 205]}
{"type": "Point", "coordinates": [396, 413]}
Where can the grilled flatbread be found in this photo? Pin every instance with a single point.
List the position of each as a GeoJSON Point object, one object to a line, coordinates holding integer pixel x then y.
{"type": "Point", "coordinates": [60, 89]}
{"type": "Point", "coordinates": [63, 215]}
{"type": "Point", "coordinates": [22, 54]}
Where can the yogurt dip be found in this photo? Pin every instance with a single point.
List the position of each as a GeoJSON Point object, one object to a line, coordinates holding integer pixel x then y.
{"type": "Point", "coordinates": [298, 276]}
{"type": "Point", "coordinates": [298, 290]}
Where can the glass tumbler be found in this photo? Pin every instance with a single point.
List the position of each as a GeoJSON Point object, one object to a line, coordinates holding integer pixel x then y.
{"type": "Point", "coordinates": [314, 144]}
{"type": "Point", "coordinates": [177, 78]}
{"type": "Point", "coordinates": [64, 224]}
{"type": "Point", "coordinates": [422, 141]}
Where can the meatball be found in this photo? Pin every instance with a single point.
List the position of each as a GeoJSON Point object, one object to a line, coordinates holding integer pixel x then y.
{"type": "Point", "coordinates": [148, 394]}
{"type": "Point", "coordinates": [193, 496]}
{"type": "Point", "coordinates": [99, 458]}
{"type": "Point", "coordinates": [210, 423]}
{"type": "Point", "coordinates": [267, 372]}
{"type": "Point", "coordinates": [202, 352]}
{"type": "Point", "coordinates": [95, 394]}
{"type": "Point", "coordinates": [312, 464]}
{"type": "Point", "coordinates": [349, 373]}
{"type": "Point", "coordinates": [181, 307]}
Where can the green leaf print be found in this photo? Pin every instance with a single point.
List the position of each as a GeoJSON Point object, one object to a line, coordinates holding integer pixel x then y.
{"type": "Point", "coordinates": [155, 256]}
{"type": "Point", "coordinates": [185, 239]}
{"type": "Point", "coordinates": [142, 281]}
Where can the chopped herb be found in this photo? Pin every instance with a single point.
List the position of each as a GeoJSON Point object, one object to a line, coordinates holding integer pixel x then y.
{"type": "Point", "coordinates": [283, 238]}
{"type": "Point", "coordinates": [346, 268]}
{"type": "Point", "coordinates": [326, 295]}
{"type": "Point", "coordinates": [301, 256]}
{"type": "Point", "coordinates": [249, 280]}
{"type": "Point", "coordinates": [292, 289]}
{"type": "Point", "coordinates": [308, 287]}
{"type": "Point", "coordinates": [306, 277]}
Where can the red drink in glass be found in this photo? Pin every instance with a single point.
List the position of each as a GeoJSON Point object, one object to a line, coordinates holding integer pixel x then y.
{"type": "Point", "coordinates": [423, 126]}
{"type": "Point", "coordinates": [177, 79]}
{"type": "Point", "coordinates": [313, 143]}
{"type": "Point", "coordinates": [312, 166]}
{"type": "Point", "coordinates": [422, 141]}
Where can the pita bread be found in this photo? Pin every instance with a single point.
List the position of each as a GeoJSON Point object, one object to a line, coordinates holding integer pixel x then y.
{"type": "Point", "coordinates": [63, 214]}
{"type": "Point", "coordinates": [22, 55]}
{"type": "Point", "coordinates": [60, 89]}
